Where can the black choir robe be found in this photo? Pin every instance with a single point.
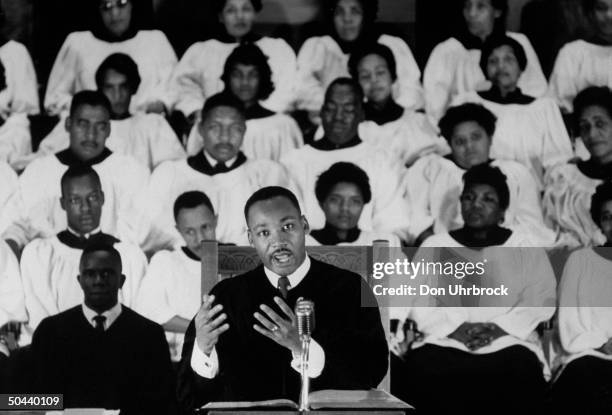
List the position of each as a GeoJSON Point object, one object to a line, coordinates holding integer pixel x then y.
{"type": "Point", "coordinates": [253, 367]}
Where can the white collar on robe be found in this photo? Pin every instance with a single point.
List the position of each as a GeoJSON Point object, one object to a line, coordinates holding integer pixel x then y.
{"type": "Point", "coordinates": [294, 279]}
{"type": "Point", "coordinates": [111, 315]}
{"type": "Point", "coordinates": [87, 235]}
{"type": "Point", "coordinates": [229, 163]}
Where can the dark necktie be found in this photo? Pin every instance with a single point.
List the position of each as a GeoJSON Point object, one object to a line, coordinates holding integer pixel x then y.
{"type": "Point", "coordinates": [99, 323]}
{"type": "Point", "coordinates": [283, 286]}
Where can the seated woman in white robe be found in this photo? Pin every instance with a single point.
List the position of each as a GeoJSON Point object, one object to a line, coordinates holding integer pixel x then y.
{"type": "Point", "coordinates": [10, 186]}
{"type": "Point", "coordinates": [117, 31]}
{"type": "Point", "coordinates": [37, 201]}
{"type": "Point", "coordinates": [584, 62]}
{"type": "Point", "coordinates": [405, 133]}
{"type": "Point", "coordinates": [453, 66]}
{"type": "Point", "coordinates": [482, 352]}
{"type": "Point", "coordinates": [18, 99]}
{"type": "Point", "coordinates": [569, 187]}
{"type": "Point", "coordinates": [146, 137]}
{"type": "Point", "coordinates": [585, 320]}
{"type": "Point", "coordinates": [170, 293]}
{"type": "Point", "coordinates": [342, 192]}
{"type": "Point", "coordinates": [248, 76]}
{"type": "Point", "coordinates": [198, 74]}
{"type": "Point", "coordinates": [433, 184]}
{"type": "Point", "coordinates": [530, 131]}
{"type": "Point", "coordinates": [322, 59]}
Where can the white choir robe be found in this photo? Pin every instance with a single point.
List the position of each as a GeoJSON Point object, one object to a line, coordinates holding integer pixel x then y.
{"type": "Point", "coordinates": [386, 212]}
{"type": "Point", "coordinates": [566, 203]}
{"type": "Point", "coordinates": [579, 64]}
{"type": "Point", "coordinates": [9, 187]}
{"type": "Point", "coordinates": [525, 271]}
{"type": "Point", "coordinates": [12, 300]}
{"type": "Point", "coordinates": [533, 134]}
{"type": "Point", "coordinates": [148, 138]}
{"type": "Point", "coordinates": [49, 270]}
{"type": "Point", "coordinates": [366, 238]}
{"type": "Point", "coordinates": [228, 193]}
{"type": "Point", "coordinates": [409, 137]}
{"type": "Point", "coordinates": [585, 306]}
{"type": "Point", "coordinates": [265, 138]}
{"type": "Point", "coordinates": [453, 70]}
{"type": "Point", "coordinates": [434, 184]}
{"type": "Point", "coordinates": [38, 198]}
{"type": "Point", "coordinates": [82, 53]}
{"type": "Point", "coordinates": [15, 140]}
{"type": "Point", "coordinates": [172, 287]}
{"type": "Point", "coordinates": [198, 74]}
{"type": "Point", "coordinates": [321, 60]}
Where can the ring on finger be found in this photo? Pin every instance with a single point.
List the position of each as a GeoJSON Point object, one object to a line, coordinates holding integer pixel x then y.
{"type": "Point", "coordinates": [274, 329]}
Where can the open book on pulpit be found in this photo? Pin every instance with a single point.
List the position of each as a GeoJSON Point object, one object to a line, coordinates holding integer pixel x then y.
{"type": "Point", "coordinates": [323, 399]}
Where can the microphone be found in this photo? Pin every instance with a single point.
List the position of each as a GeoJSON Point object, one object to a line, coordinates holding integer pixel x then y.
{"type": "Point", "coordinates": [304, 313]}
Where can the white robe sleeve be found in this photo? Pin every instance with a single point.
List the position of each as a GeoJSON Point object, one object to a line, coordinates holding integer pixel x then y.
{"type": "Point", "coordinates": [187, 82]}
{"type": "Point", "coordinates": [57, 140]}
{"type": "Point", "coordinates": [21, 79]}
{"type": "Point", "coordinates": [12, 303]}
{"type": "Point", "coordinates": [407, 91]}
{"type": "Point", "coordinates": [563, 86]}
{"type": "Point", "coordinates": [310, 89]}
{"type": "Point", "coordinates": [164, 144]}
{"type": "Point", "coordinates": [153, 299]}
{"type": "Point", "coordinates": [134, 269]}
{"type": "Point", "coordinates": [283, 62]}
{"type": "Point", "coordinates": [15, 139]}
{"type": "Point", "coordinates": [532, 80]}
{"type": "Point", "coordinates": [416, 185]}
{"type": "Point", "coordinates": [166, 61]}
{"type": "Point", "coordinates": [557, 146]}
{"type": "Point", "coordinates": [438, 78]}
{"type": "Point", "coordinates": [61, 83]}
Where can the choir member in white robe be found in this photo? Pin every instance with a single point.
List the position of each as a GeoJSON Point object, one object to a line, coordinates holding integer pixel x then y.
{"type": "Point", "coordinates": [117, 32]}
{"type": "Point", "coordinates": [453, 65]}
{"type": "Point", "coordinates": [170, 292]}
{"type": "Point", "coordinates": [9, 187]}
{"type": "Point", "coordinates": [322, 59]}
{"type": "Point", "coordinates": [38, 199]}
{"type": "Point", "coordinates": [146, 137]}
{"type": "Point", "coordinates": [433, 184]}
{"type": "Point", "coordinates": [248, 76]}
{"type": "Point", "coordinates": [569, 187]}
{"type": "Point", "coordinates": [49, 266]}
{"type": "Point", "coordinates": [198, 74]}
{"type": "Point", "coordinates": [530, 131]}
{"type": "Point", "coordinates": [341, 114]}
{"type": "Point", "coordinates": [220, 170]}
{"type": "Point", "coordinates": [584, 62]}
{"type": "Point", "coordinates": [481, 351]}
{"type": "Point", "coordinates": [12, 300]}
{"type": "Point", "coordinates": [405, 133]}
{"type": "Point", "coordinates": [342, 191]}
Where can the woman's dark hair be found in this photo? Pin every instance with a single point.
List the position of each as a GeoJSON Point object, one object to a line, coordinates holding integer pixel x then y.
{"type": "Point", "coordinates": [142, 18]}
{"type": "Point", "coordinates": [343, 173]}
{"type": "Point", "coordinates": [463, 113]}
{"type": "Point", "coordinates": [492, 176]}
{"type": "Point", "coordinates": [218, 5]}
{"type": "Point", "coordinates": [494, 42]}
{"type": "Point", "coordinates": [123, 64]}
{"type": "Point", "coordinates": [250, 54]}
{"type": "Point", "coordinates": [372, 49]}
{"type": "Point", "coordinates": [594, 96]}
{"type": "Point", "coordinates": [603, 194]}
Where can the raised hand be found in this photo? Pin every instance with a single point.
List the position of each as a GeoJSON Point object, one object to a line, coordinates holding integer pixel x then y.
{"type": "Point", "coordinates": [209, 324]}
{"type": "Point", "coordinates": [282, 330]}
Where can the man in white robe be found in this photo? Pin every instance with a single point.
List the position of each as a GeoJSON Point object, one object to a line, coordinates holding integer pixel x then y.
{"type": "Point", "coordinates": [49, 266]}
{"type": "Point", "coordinates": [170, 292]}
{"type": "Point", "coordinates": [38, 200]}
{"type": "Point", "coordinates": [341, 114]}
{"type": "Point", "coordinates": [220, 170]}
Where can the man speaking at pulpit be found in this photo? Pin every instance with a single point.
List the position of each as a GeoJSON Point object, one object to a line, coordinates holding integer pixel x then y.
{"type": "Point", "coordinates": [243, 344]}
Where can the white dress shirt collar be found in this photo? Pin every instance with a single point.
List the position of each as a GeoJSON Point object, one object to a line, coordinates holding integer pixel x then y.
{"type": "Point", "coordinates": [294, 279]}
{"type": "Point", "coordinates": [213, 162]}
{"type": "Point", "coordinates": [87, 235]}
{"type": "Point", "coordinates": [111, 315]}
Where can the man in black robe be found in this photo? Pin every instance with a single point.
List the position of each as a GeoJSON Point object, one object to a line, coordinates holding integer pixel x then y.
{"type": "Point", "coordinates": [243, 344]}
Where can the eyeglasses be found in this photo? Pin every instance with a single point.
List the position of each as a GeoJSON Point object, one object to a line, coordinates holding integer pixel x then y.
{"type": "Point", "coordinates": [109, 4]}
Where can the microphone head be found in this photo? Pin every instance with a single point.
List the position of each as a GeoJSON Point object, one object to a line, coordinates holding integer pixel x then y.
{"type": "Point", "coordinates": [304, 312]}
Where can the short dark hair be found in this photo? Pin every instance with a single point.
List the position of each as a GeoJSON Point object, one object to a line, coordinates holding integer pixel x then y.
{"type": "Point", "coordinates": [463, 113]}
{"type": "Point", "coordinates": [91, 98]}
{"type": "Point", "coordinates": [370, 9]}
{"type": "Point", "coordinates": [343, 172]}
{"type": "Point", "coordinates": [223, 99]}
{"type": "Point", "coordinates": [190, 200]}
{"type": "Point", "coordinates": [603, 194]}
{"type": "Point", "coordinates": [487, 174]}
{"type": "Point", "coordinates": [123, 64]}
{"type": "Point", "coordinates": [96, 246]}
{"type": "Point", "coordinates": [249, 54]}
{"type": "Point", "coordinates": [345, 81]}
{"type": "Point", "coordinates": [594, 96]}
{"type": "Point", "coordinates": [79, 170]}
{"type": "Point", "coordinates": [494, 42]}
{"type": "Point", "coordinates": [372, 49]}
{"type": "Point", "coordinates": [267, 193]}
{"type": "Point", "coordinates": [218, 5]}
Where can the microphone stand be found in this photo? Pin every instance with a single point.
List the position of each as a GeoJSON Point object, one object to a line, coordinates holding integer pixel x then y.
{"type": "Point", "coordinates": [305, 385]}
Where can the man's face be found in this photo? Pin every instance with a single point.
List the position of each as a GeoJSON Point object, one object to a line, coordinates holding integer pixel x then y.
{"type": "Point", "coordinates": [101, 279]}
{"type": "Point", "coordinates": [470, 144]}
{"type": "Point", "coordinates": [238, 16]}
{"type": "Point", "coordinates": [341, 114]}
{"type": "Point", "coordinates": [118, 91]}
{"type": "Point", "coordinates": [343, 206]}
{"type": "Point", "coordinates": [116, 16]}
{"type": "Point", "coordinates": [480, 206]}
{"type": "Point", "coordinates": [196, 225]}
{"type": "Point", "coordinates": [82, 199]}
{"type": "Point", "coordinates": [278, 231]}
{"type": "Point", "coordinates": [244, 82]}
{"type": "Point", "coordinates": [88, 127]}
{"type": "Point", "coordinates": [223, 131]}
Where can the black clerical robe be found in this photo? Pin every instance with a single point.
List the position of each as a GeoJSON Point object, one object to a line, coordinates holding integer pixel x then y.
{"type": "Point", "coordinates": [253, 367]}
